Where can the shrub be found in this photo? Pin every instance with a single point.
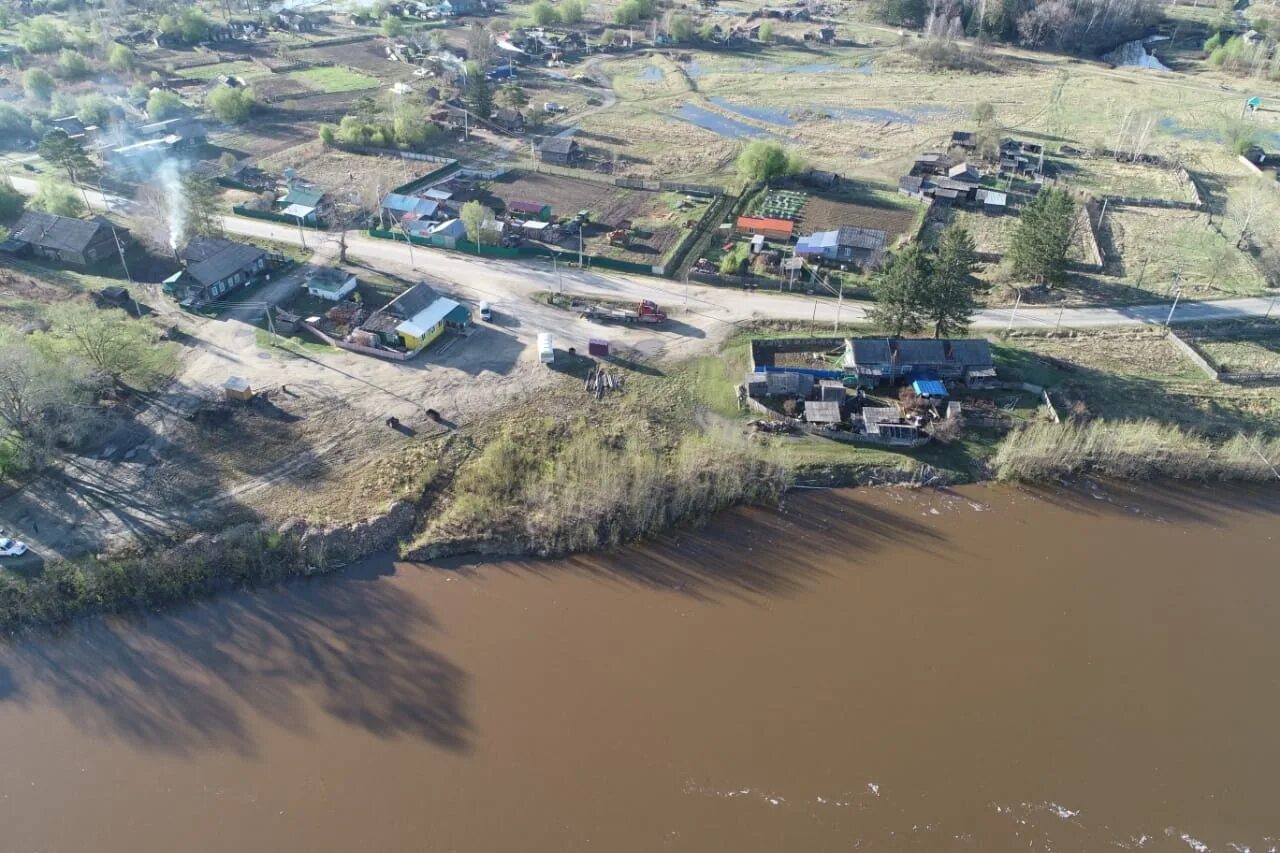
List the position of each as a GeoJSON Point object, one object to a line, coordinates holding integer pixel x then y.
{"type": "Point", "coordinates": [162, 105]}
{"type": "Point", "coordinates": [72, 65]}
{"type": "Point", "coordinates": [38, 84]}
{"type": "Point", "coordinates": [231, 104]}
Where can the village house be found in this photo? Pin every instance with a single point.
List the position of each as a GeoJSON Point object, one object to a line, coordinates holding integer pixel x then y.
{"type": "Point", "coordinates": [846, 244]}
{"type": "Point", "coordinates": [772, 229]}
{"type": "Point", "coordinates": [81, 243]}
{"type": "Point", "coordinates": [562, 150]}
{"type": "Point", "coordinates": [330, 283]}
{"type": "Point", "coordinates": [509, 118]}
{"type": "Point", "coordinates": [412, 320]}
{"type": "Point", "coordinates": [399, 206]}
{"type": "Point", "coordinates": [531, 209]}
{"type": "Point", "coordinates": [213, 267]}
{"type": "Point", "coordinates": [887, 360]}
{"type": "Point", "coordinates": [303, 204]}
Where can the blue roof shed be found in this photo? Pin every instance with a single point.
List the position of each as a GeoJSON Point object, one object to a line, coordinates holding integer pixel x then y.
{"type": "Point", "coordinates": [929, 387]}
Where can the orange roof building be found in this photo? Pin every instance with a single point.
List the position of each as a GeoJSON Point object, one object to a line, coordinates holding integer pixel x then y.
{"type": "Point", "coordinates": [774, 229]}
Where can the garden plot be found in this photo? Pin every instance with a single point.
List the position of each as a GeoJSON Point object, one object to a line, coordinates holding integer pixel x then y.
{"type": "Point", "coordinates": [243, 69]}
{"type": "Point", "coordinates": [863, 209]}
{"type": "Point", "coordinates": [1106, 176]}
{"type": "Point", "coordinates": [334, 79]}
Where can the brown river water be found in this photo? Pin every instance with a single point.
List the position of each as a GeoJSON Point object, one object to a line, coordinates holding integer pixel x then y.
{"type": "Point", "coordinates": [987, 669]}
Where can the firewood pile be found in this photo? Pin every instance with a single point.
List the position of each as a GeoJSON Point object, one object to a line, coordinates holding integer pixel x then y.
{"type": "Point", "coordinates": [600, 382]}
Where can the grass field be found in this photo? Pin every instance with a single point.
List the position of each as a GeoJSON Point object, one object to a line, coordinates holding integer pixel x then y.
{"type": "Point", "coordinates": [1136, 374]}
{"type": "Point", "coordinates": [334, 79]}
{"type": "Point", "coordinates": [1155, 245]}
{"type": "Point", "coordinates": [240, 68]}
{"type": "Point", "coordinates": [1243, 356]}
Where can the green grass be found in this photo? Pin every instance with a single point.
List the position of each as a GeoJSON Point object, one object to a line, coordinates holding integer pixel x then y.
{"type": "Point", "coordinates": [239, 68]}
{"type": "Point", "coordinates": [334, 79]}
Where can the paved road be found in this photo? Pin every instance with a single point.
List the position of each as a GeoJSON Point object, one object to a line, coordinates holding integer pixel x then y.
{"type": "Point", "coordinates": [507, 283]}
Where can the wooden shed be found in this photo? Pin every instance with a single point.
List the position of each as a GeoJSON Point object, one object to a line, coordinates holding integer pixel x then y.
{"type": "Point", "coordinates": [237, 388]}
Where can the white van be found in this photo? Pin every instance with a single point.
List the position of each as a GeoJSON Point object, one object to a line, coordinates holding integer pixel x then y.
{"type": "Point", "coordinates": [546, 349]}
{"type": "Point", "coordinates": [486, 312]}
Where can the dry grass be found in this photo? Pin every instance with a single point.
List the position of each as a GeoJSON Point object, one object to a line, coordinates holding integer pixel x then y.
{"type": "Point", "coordinates": [1153, 245]}
{"type": "Point", "coordinates": [1243, 355]}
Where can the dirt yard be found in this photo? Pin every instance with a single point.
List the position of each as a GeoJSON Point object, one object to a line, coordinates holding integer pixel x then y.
{"type": "Point", "coordinates": [656, 216]}
{"type": "Point", "coordinates": [340, 172]}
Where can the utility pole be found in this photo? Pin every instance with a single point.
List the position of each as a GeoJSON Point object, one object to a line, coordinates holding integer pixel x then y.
{"type": "Point", "coordinates": [1014, 312]}
{"type": "Point", "coordinates": [1267, 316]}
{"type": "Point", "coordinates": [1172, 308]}
{"type": "Point", "coordinates": [301, 235]}
{"type": "Point", "coordinates": [1061, 308]}
{"type": "Point", "coordinates": [409, 241]}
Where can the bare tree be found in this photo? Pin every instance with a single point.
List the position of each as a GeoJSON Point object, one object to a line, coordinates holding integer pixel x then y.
{"type": "Point", "coordinates": [42, 401]}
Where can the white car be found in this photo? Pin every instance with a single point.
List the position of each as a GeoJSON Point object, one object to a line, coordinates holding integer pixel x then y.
{"type": "Point", "coordinates": [11, 548]}
{"type": "Point", "coordinates": [486, 312]}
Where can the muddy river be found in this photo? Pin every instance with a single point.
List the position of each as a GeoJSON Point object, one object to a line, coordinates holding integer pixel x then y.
{"type": "Point", "coordinates": [986, 670]}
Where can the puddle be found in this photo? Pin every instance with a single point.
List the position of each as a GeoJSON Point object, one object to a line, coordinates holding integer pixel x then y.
{"type": "Point", "coordinates": [692, 69]}
{"type": "Point", "coordinates": [1266, 138]}
{"type": "Point", "coordinates": [772, 115]}
{"type": "Point", "coordinates": [719, 124]}
{"type": "Point", "coordinates": [779, 68]}
{"type": "Point", "coordinates": [878, 115]}
{"type": "Point", "coordinates": [652, 74]}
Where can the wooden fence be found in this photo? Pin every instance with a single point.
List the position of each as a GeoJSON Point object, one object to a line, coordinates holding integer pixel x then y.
{"type": "Point", "coordinates": [1213, 370]}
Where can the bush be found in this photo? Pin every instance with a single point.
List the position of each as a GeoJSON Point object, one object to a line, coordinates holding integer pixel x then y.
{"type": "Point", "coordinates": [162, 105]}
{"type": "Point", "coordinates": [40, 35]}
{"type": "Point", "coordinates": [544, 14]}
{"type": "Point", "coordinates": [72, 65]}
{"type": "Point", "coordinates": [57, 197]}
{"type": "Point", "coordinates": [120, 58]}
{"type": "Point", "coordinates": [93, 110]}
{"type": "Point", "coordinates": [11, 201]}
{"type": "Point", "coordinates": [572, 11]}
{"type": "Point", "coordinates": [15, 126]}
{"type": "Point", "coordinates": [38, 84]}
{"type": "Point", "coordinates": [231, 104]}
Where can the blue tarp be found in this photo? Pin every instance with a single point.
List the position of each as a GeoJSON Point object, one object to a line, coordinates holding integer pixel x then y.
{"type": "Point", "coordinates": [929, 388]}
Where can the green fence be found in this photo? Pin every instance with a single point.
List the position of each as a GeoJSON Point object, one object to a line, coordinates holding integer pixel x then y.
{"type": "Point", "coordinates": [273, 217]}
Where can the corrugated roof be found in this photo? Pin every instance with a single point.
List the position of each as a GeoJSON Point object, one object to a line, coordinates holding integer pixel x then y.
{"type": "Point", "coordinates": [58, 233]}
{"type": "Point", "coordinates": [422, 322]}
{"type": "Point", "coordinates": [525, 206]}
{"type": "Point", "coordinates": [761, 223]}
{"type": "Point", "coordinates": [412, 301]}
{"type": "Point", "coordinates": [410, 204]}
{"type": "Point", "coordinates": [304, 197]}
{"type": "Point", "coordinates": [558, 145]}
{"type": "Point", "coordinates": [819, 412]}
{"type": "Point", "coordinates": [974, 352]}
{"type": "Point", "coordinates": [212, 259]}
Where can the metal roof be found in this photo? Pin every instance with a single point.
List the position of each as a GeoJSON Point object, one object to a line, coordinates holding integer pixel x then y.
{"type": "Point", "coordinates": [929, 387]}
{"type": "Point", "coordinates": [212, 259]}
{"type": "Point", "coordinates": [558, 145]}
{"type": "Point", "coordinates": [304, 197]}
{"type": "Point", "coordinates": [819, 412]}
{"type": "Point", "coordinates": [58, 233]}
{"type": "Point", "coordinates": [410, 204]}
{"type": "Point", "coordinates": [426, 319]}
{"type": "Point", "coordinates": [970, 352]}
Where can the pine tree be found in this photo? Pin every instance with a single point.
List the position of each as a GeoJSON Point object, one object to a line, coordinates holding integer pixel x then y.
{"type": "Point", "coordinates": [1040, 243]}
{"type": "Point", "coordinates": [478, 94]}
{"type": "Point", "coordinates": [900, 292]}
{"type": "Point", "coordinates": [949, 302]}
{"type": "Point", "coordinates": [60, 149]}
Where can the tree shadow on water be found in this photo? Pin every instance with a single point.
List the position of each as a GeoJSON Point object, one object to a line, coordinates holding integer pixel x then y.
{"type": "Point", "coordinates": [753, 551]}
{"type": "Point", "coordinates": [191, 680]}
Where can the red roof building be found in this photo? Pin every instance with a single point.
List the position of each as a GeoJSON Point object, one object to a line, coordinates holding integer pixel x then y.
{"type": "Point", "coordinates": [773, 229]}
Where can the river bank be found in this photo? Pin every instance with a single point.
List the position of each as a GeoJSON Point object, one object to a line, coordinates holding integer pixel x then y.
{"type": "Point", "coordinates": [570, 473]}
{"type": "Point", "coordinates": [984, 668]}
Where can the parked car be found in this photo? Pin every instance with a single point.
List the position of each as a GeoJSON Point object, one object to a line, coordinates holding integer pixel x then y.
{"type": "Point", "coordinates": [11, 548]}
{"type": "Point", "coordinates": [553, 107]}
{"type": "Point", "coordinates": [486, 312]}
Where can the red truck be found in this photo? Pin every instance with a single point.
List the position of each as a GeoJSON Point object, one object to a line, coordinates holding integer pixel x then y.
{"type": "Point", "coordinates": [645, 311]}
